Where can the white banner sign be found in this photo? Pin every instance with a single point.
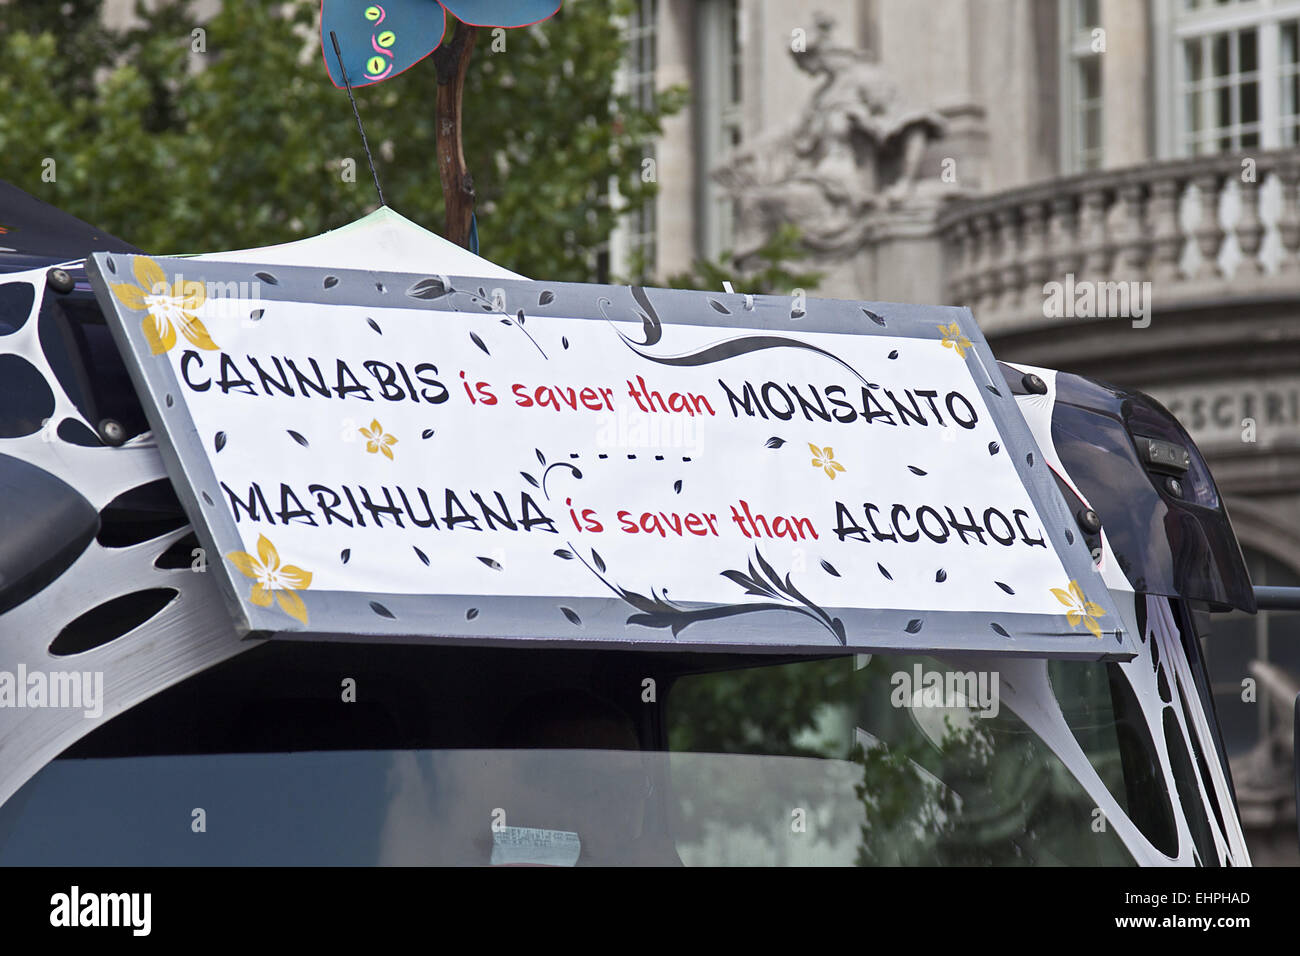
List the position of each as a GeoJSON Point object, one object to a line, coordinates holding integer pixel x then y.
{"type": "Point", "coordinates": [642, 464]}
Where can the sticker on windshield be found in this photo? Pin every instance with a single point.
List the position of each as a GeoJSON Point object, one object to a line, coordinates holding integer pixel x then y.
{"type": "Point", "coordinates": [527, 846]}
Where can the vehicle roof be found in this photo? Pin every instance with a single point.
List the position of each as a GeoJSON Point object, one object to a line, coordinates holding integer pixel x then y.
{"type": "Point", "coordinates": [34, 233]}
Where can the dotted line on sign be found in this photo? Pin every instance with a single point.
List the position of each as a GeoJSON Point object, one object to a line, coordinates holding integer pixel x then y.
{"type": "Point", "coordinates": [602, 456]}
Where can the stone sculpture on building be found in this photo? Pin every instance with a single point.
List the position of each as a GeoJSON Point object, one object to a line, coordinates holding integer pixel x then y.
{"type": "Point", "coordinates": [855, 151]}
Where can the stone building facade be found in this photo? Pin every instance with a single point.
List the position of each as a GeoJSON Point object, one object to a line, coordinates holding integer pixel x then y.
{"type": "Point", "coordinates": [1113, 186]}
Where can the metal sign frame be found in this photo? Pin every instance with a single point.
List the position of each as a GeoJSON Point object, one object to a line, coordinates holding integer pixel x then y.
{"type": "Point", "coordinates": [625, 619]}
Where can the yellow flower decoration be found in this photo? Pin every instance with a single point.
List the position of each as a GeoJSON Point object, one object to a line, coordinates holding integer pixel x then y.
{"type": "Point", "coordinates": [377, 440]}
{"type": "Point", "coordinates": [271, 576]}
{"type": "Point", "coordinates": [824, 458]}
{"type": "Point", "coordinates": [1081, 609]}
{"type": "Point", "coordinates": [169, 305]}
{"type": "Point", "coordinates": [953, 339]}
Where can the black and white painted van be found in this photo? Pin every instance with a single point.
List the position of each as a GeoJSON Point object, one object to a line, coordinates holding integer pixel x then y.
{"type": "Point", "coordinates": [137, 727]}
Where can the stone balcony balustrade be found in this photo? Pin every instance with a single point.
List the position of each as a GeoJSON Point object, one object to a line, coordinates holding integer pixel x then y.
{"type": "Point", "coordinates": [1204, 231]}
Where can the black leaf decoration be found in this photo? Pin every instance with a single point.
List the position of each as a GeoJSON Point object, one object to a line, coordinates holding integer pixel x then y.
{"type": "Point", "coordinates": [797, 313]}
{"type": "Point", "coordinates": [774, 442]}
{"type": "Point", "coordinates": [763, 581]}
{"type": "Point", "coordinates": [718, 306]}
{"type": "Point", "coordinates": [490, 563]}
{"type": "Point", "coordinates": [572, 616]}
{"type": "Point", "coordinates": [837, 628]}
{"type": "Point", "coordinates": [598, 561]}
{"type": "Point", "coordinates": [170, 401]}
{"type": "Point", "coordinates": [219, 441]}
{"type": "Point", "coordinates": [374, 325]}
{"type": "Point", "coordinates": [885, 571]}
{"type": "Point", "coordinates": [345, 555]}
{"type": "Point", "coordinates": [298, 438]}
{"type": "Point", "coordinates": [829, 568]}
{"type": "Point", "coordinates": [562, 553]}
{"type": "Point", "coordinates": [427, 289]}
{"type": "Point", "coordinates": [917, 471]}
{"type": "Point", "coordinates": [207, 497]}
{"type": "Point", "coordinates": [1069, 536]}
{"type": "Point", "coordinates": [530, 479]}
{"type": "Point", "coordinates": [479, 342]}
{"type": "Point", "coordinates": [564, 340]}
{"type": "Point", "coordinates": [256, 314]}
{"type": "Point", "coordinates": [421, 555]}
{"type": "Point", "coordinates": [482, 292]}
{"type": "Point", "coordinates": [505, 322]}
{"type": "Point", "coordinates": [1030, 458]}
{"type": "Point", "coordinates": [331, 281]}
{"type": "Point", "coordinates": [540, 457]}
{"type": "Point", "coordinates": [112, 266]}
{"type": "Point", "coordinates": [940, 576]}
{"type": "Point", "coordinates": [1006, 587]}
{"type": "Point", "coordinates": [994, 448]}
{"type": "Point", "coordinates": [677, 486]}
{"type": "Point", "coordinates": [750, 583]}
{"type": "Point", "coordinates": [894, 354]}
{"type": "Point", "coordinates": [519, 316]}
{"type": "Point", "coordinates": [427, 433]}
{"type": "Point", "coordinates": [382, 611]}
{"type": "Point", "coordinates": [546, 298]}
{"type": "Point", "coordinates": [998, 628]}
{"type": "Point", "coordinates": [471, 614]}
{"type": "Point", "coordinates": [379, 286]}
{"type": "Point", "coordinates": [873, 317]}
{"type": "Point", "coordinates": [994, 390]}
{"type": "Point", "coordinates": [267, 278]}
{"type": "Point", "coordinates": [914, 626]}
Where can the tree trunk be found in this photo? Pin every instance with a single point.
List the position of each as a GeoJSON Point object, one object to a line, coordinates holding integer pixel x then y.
{"type": "Point", "coordinates": [452, 61]}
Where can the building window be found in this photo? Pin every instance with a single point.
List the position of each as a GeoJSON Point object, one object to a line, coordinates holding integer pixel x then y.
{"type": "Point", "coordinates": [1220, 92]}
{"type": "Point", "coordinates": [1288, 67]}
{"type": "Point", "coordinates": [641, 226]}
{"type": "Point", "coordinates": [1236, 75]}
{"type": "Point", "coordinates": [1083, 142]}
{"type": "Point", "coordinates": [718, 70]}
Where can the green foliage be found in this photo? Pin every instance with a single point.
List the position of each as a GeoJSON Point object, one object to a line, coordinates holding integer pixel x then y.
{"type": "Point", "coordinates": [772, 270]}
{"type": "Point", "coordinates": [245, 144]}
{"type": "Point", "coordinates": [984, 791]}
{"type": "Point", "coordinates": [80, 39]}
{"type": "Point", "coordinates": [760, 710]}
{"type": "Point", "coordinates": [788, 710]}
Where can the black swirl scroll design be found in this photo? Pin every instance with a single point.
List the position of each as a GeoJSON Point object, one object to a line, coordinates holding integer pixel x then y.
{"type": "Point", "coordinates": [764, 581]}
{"type": "Point", "coordinates": [717, 352]}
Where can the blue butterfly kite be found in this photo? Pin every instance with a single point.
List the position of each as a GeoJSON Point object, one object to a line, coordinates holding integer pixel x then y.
{"type": "Point", "coordinates": [380, 40]}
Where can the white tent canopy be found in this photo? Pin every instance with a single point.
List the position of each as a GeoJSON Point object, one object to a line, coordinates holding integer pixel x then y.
{"type": "Point", "coordinates": [384, 241]}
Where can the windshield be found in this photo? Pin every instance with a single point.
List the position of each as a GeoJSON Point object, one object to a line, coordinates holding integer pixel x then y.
{"type": "Point", "coordinates": [351, 754]}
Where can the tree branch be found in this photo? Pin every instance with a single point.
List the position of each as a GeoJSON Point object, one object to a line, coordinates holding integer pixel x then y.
{"type": "Point", "coordinates": [452, 61]}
